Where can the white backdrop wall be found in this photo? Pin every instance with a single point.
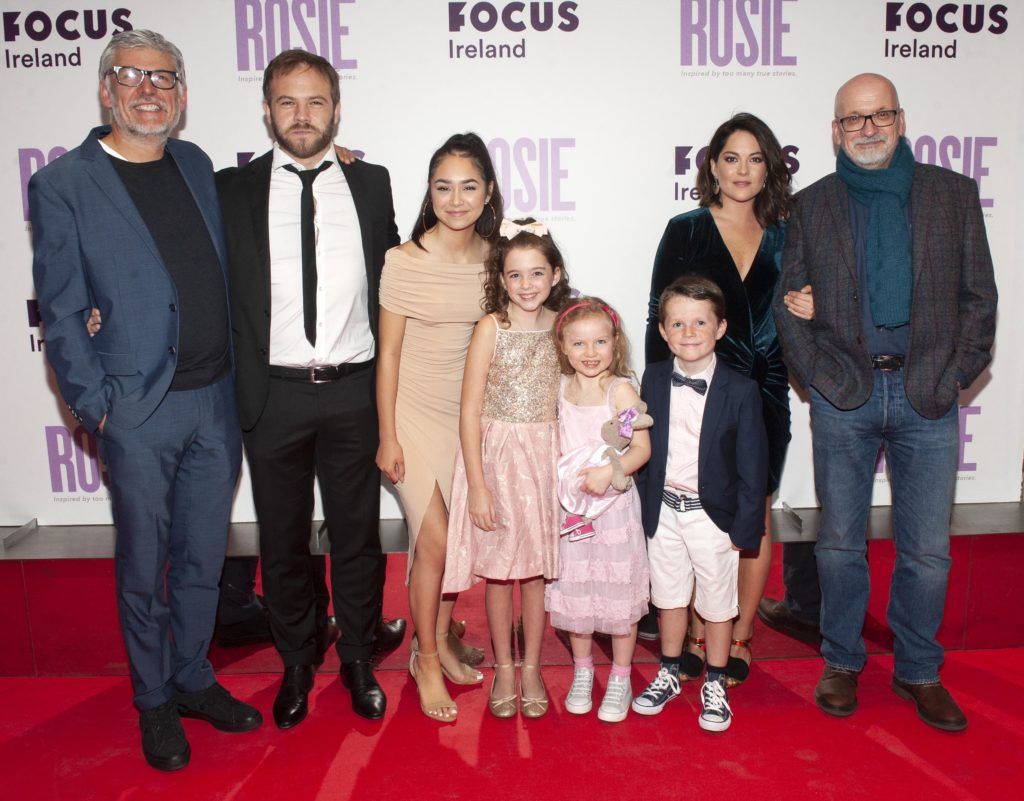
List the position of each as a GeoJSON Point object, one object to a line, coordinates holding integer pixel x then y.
{"type": "Point", "coordinates": [596, 112]}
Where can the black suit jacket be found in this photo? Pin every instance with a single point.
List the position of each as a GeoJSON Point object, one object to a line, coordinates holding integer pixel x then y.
{"type": "Point", "coordinates": [244, 199]}
{"type": "Point", "coordinates": [732, 462]}
{"type": "Point", "coordinates": [952, 313]}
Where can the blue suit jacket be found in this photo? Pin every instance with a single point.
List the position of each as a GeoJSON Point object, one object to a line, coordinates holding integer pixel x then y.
{"type": "Point", "coordinates": [732, 463]}
{"type": "Point", "coordinates": [92, 248]}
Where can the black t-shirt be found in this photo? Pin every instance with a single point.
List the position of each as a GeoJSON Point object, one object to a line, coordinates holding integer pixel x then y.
{"type": "Point", "coordinates": [170, 212]}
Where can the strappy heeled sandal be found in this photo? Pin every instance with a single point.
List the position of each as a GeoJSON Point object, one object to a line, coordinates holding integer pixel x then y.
{"type": "Point", "coordinates": [444, 711]}
{"type": "Point", "coordinates": [691, 666]}
{"type": "Point", "coordinates": [533, 707]}
{"type": "Point", "coordinates": [468, 674]}
{"type": "Point", "coordinates": [504, 707]}
{"type": "Point", "coordinates": [465, 653]}
{"type": "Point", "coordinates": [736, 669]}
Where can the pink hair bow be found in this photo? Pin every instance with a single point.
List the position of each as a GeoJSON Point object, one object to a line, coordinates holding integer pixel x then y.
{"type": "Point", "coordinates": [510, 229]}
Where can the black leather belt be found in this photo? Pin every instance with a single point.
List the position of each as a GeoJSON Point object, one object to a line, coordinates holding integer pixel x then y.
{"type": "Point", "coordinates": [887, 362]}
{"type": "Point", "coordinates": [681, 503]}
{"type": "Point", "coordinates": [318, 375]}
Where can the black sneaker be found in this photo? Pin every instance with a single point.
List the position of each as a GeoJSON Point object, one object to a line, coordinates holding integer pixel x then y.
{"type": "Point", "coordinates": [715, 714]}
{"type": "Point", "coordinates": [163, 738]}
{"type": "Point", "coordinates": [659, 692]}
{"type": "Point", "coordinates": [217, 707]}
{"type": "Point", "coordinates": [647, 628]}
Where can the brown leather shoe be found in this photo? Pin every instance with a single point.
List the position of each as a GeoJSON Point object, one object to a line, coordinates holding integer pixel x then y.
{"type": "Point", "coordinates": [935, 706]}
{"type": "Point", "coordinates": [836, 692]}
{"type": "Point", "coordinates": [776, 615]}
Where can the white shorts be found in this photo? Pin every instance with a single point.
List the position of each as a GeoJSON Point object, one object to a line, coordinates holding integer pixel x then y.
{"type": "Point", "coordinates": [688, 545]}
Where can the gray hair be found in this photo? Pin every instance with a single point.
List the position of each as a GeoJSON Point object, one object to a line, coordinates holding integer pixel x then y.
{"type": "Point", "coordinates": [135, 40]}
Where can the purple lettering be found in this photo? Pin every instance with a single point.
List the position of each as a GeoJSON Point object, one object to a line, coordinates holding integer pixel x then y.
{"type": "Point", "coordinates": [31, 159]}
{"type": "Point", "coordinates": [522, 150]}
{"type": "Point", "coordinates": [965, 438]}
{"type": "Point", "coordinates": [59, 448]}
{"type": "Point", "coordinates": [978, 170]}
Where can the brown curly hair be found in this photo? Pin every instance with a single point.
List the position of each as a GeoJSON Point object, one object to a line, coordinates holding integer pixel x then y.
{"type": "Point", "coordinates": [772, 203]}
{"type": "Point", "coordinates": [582, 307]}
{"type": "Point", "coordinates": [495, 297]}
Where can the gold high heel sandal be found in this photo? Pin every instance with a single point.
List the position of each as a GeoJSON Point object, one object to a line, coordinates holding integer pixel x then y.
{"type": "Point", "coordinates": [534, 707]}
{"type": "Point", "coordinates": [465, 653]}
{"type": "Point", "coordinates": [502, 707]}
{"type": "Point", "coordinates": [444, 711]}
{"type": "Point", "coordinates": [468, 674]}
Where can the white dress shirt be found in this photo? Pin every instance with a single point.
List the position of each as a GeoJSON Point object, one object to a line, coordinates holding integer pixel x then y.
{"type": "Point", "coordinates": [342, 316]}
{"type": "Point", "coordinates": [686, 413]}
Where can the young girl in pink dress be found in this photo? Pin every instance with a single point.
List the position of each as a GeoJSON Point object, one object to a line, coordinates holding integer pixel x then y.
{"type": "Point", "coordinates": [603, 579]}
{"type": "Point", "coordinates": [504, 519]}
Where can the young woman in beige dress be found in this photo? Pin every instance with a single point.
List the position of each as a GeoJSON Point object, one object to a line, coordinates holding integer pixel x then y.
{"type": "Point", "coordinates": [430, 296]}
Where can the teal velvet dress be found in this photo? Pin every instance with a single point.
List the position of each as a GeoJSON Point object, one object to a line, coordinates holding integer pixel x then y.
{"type": "Point", "coordinates": [692, 244]}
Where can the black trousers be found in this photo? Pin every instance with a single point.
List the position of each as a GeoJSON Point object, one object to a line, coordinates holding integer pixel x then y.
{"type": "Point", "coordinates": [326, 431]}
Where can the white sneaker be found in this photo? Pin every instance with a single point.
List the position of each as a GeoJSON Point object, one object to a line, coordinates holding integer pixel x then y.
{"type": "Point", "coordinates": [579, 701]}
{"type": "Point", "coordinates": [617, 697]}
{"type": "Point", "coordinates": [715, 713]}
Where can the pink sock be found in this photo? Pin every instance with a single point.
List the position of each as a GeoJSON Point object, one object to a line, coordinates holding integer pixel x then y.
{"type": "Point", "coordinates": [621, 670]}
{"type": "Point", "coordinates": [586, 663]}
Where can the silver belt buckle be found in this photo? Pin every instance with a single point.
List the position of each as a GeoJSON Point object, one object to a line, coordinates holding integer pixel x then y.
{"type": "Point", "coordinates": [314, 380]}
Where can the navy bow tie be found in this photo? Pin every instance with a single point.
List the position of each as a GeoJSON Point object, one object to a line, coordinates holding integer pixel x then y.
{"type": "Point", "coordinates": [698, 385]}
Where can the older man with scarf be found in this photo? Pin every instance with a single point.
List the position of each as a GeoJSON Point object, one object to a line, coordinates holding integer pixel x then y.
{"type": "Point", "coordinates": [905, 304]}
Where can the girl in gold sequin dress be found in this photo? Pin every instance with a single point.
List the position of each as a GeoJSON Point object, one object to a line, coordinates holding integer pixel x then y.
{"type": "Point", "coordinates": [504, 518]}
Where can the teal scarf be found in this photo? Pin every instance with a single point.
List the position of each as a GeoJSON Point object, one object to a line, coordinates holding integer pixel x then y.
{"type": "Point", "coordinates": [889, 267]}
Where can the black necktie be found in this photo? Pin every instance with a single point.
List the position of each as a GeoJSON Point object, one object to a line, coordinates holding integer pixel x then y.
{"type": "Point", "coordinates": [308, 247]}
{"type": "Point", "coordinates": [698, 385]}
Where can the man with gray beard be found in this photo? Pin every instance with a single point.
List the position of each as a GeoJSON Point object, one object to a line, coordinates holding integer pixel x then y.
{"type": "Point", "coordinates": [129, 223]}
{"type": "Point", "coordinates": [904, 302]}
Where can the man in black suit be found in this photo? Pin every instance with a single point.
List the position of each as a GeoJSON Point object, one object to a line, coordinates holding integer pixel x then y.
{"type": "Point", "coordinates": [306, 239]}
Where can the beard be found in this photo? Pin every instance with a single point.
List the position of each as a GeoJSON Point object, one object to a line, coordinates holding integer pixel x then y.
{"type": "Point", "coordinates": [304, 148]}
{"type": "Point", "coordinates": [158, 130]}
{"type": "Point", "coordinates": [874, 157]}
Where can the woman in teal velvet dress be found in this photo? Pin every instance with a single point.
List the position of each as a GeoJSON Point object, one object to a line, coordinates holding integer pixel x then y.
{"type": "Point", "coordinates": [736, 238]}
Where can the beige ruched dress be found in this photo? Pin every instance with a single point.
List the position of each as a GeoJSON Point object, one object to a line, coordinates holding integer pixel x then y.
{"type": "Point", "coordinates": [441, 303]}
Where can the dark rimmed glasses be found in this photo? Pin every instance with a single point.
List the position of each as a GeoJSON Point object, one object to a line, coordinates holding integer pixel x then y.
{"type": "Point", "coordinates": [134, 76]}
{"type": "Point", "coordinates": [880, 119]}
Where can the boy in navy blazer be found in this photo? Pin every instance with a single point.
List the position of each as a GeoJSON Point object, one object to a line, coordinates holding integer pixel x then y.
{"type": "Point", "coordinates": [702, 492]}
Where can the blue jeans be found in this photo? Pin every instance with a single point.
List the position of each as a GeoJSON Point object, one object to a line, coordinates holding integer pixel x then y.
{"type": "Point", "coordinates": [922, 459]}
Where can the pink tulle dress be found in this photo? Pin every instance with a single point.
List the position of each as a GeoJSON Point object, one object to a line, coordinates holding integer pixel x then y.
{"type": "Point", "coordinates": [603, 582]}
{"type": "Point", "coordinates": [519, 439]}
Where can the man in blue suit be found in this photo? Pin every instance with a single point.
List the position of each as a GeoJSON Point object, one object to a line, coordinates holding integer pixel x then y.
{"type": "Point", "coordinates": [129, 223]}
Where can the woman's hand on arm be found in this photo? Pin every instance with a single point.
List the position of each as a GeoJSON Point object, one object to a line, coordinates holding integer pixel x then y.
{"type": "Point", "coordinates": [800, 304]}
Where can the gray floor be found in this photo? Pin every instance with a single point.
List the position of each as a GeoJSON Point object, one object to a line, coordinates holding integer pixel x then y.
{"type": "Point", "coordinates": [791, 525]}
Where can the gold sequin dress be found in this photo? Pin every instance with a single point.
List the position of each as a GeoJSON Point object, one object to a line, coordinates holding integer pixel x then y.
{"type": "Point", "coordinates": [441, 304]}
{"type": "Point", "coordinates": [519, 441]}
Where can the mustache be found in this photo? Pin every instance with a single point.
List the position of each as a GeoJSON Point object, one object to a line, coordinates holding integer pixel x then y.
{"type": "Point", "coordinates": [301, 127]}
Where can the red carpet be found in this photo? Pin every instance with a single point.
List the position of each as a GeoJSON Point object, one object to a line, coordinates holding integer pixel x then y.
{"type": "Point", "coordinates": [76, 738]}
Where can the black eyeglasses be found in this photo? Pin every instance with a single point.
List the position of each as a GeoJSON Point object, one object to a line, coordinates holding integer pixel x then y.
{"type": "Point", "coordinates": [134, 76]}
{"type": "Point", "coordinates": [880, 119]}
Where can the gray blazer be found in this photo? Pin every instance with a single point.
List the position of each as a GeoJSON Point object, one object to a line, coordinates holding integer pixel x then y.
{"type": "Point", "coordinates": [952, 316]}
